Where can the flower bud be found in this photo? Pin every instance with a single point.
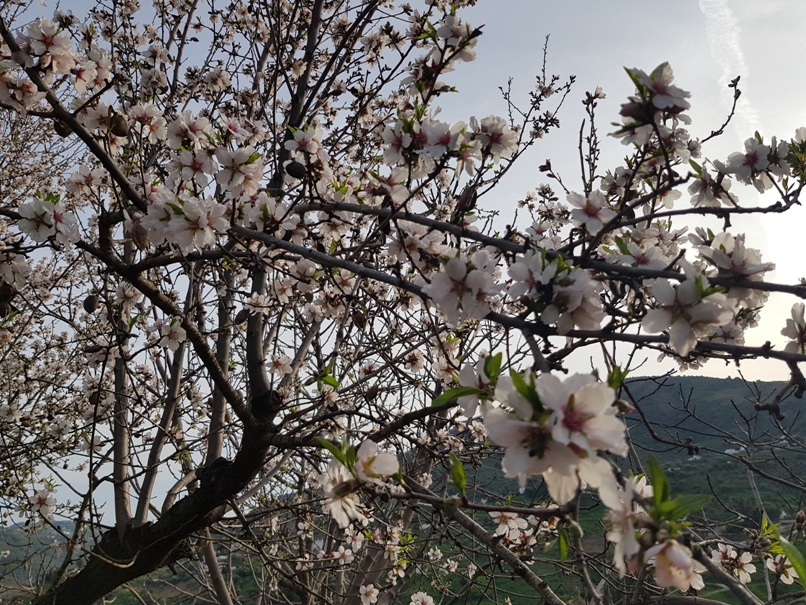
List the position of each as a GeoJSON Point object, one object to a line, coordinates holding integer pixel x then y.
{"type": "Point", "coordinates": [62, 129]}
{"type": "Point", "coordinates": [7, 292]}
{"type": "Point", "coordinates": [91, 303]}
{"type": "Point", "coordinates": [119, 126]}
{"type": "Point", "coordinates": [295, 169]}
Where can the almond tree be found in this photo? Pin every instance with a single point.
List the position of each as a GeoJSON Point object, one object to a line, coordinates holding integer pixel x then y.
{"type": "Point", "coordinates": [271, 313]}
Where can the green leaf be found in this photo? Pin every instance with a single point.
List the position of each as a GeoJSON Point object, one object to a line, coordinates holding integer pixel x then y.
{"type": "Point", "coordinates": [458, 476]}
{"type": "Point", "coordinates": [177, 209]}
{"type": "Point", "coordinates": [520, 384]}
{"type": "Point", "coordinates": [769, 529]}
{"type": "Point", "coordinates": [634, 78]}
{"type": "Point", "coordinates": [697, 168]}
{"type": "Point", "coordinates": [350, 457]}
{"type": "Point", "coordinates": [689, 503]}
{"type": "Point", "coordinates": [622, 246]}
{"type": "Point", "coordinates": [796, 558]}
{"type": "Point", "coordinates": [657, 73]}
{"type": "Point", "coordinates": [660, 484]}
{"type": "Point", "coordinates": [454, 393]}
{"type": "Point", "coordinates": [337, 452]}
{"type": "Point", "coordinates": [330, 381]}
{"type": "Point", "coordinates": [616, 377]}
{"type": "Point", "coordinates": [562, 544]}
{"type": "Point", "coordinates": [527, 391]}
{"type": "Point", "coordinates": [492, 367]}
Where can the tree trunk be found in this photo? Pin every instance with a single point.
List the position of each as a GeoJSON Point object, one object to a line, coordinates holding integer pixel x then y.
{"type": "Point", "coordinates": [144, 549]}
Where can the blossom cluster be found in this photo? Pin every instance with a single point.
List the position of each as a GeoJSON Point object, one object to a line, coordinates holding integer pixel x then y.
{"type": "Point", "coordinates": [550, 427]}
{"type": "Point", "coordinates": [344, 477]}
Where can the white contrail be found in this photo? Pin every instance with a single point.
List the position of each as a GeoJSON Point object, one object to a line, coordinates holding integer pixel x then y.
{"type": "Point", "coordinates": [722, 30]}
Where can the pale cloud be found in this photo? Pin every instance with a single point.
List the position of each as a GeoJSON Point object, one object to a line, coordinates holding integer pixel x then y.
{"type": "Point", "coordinates": [722, 30]}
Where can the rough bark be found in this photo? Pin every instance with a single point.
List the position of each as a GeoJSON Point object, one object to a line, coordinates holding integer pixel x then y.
{"type": "Point", "coordinates": [141, 550]}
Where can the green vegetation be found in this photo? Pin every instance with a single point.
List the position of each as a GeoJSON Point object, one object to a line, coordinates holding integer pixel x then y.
{"type": "Point", "coordinates": [711, 436]}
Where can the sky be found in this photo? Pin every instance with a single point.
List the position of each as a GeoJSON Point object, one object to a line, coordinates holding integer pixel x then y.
{"type": "Point", "coordinates": [707, 43]}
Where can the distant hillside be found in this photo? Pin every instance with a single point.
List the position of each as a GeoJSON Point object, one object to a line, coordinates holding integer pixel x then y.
{"type": "Point", "coordinates": [710, 415]}
{"type": "Point", "coordinates": [713, 412]}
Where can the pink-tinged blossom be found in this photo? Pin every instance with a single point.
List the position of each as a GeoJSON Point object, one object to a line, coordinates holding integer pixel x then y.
{"type": "Point", "coordinates": [172, 334]}
{"type": "Point", "coordinates": [440, 137]}
{"type": "Point", "coordinates": [495, 137]}
{"type": "Point", "coordinates": [233, 127]}
{"type": "Point", "coordinates": [396, 141]}
{"type": "Point", "coordinates": [457, 35]}
{"type": "Point", "coordinates": [269, 214]}
{"type": "Point", "coordinates": [664, 95]}
{"type": "Point", "coordinates": [621, 517]}
{"type": "Point", "coordinates": [343, 556]}
{"type": "Point", "coordinates": [529, 447]}
{"type": "Point", "coordinates": [409, 240]}
{"type": "Point", "coordinates": [369, 594]}
{"type": "Point", "coordinates": [19, 93]}
{"type": "Point", "coordinates": [583, 415]}
{"type": "Point", "coordinates": [753, 159]}
{"type": "Point", "coordinates": [42, 502]}
{"type": "Point", "coordinates": [575, 302]}
{"type": "Point", "coordinates": [472, 376]}
{"type": "Point", "coordinates": [241, 170]}
{"type": "Point", "coordinates": [188, 131]}
{"type": "Point", "coordinates": [217, 78]}
{"type": "Point", "coordinates": [559, 438]}
{"type": "Point", "coordinates": [281, 364]}
{"type": "Point", "coordinates": [371, 465]}
{"type": "Point", "coordinates": [782, 566]}
{"type": "Point", "coordinates": [650, 257]}
{"type": "Point", "coordinates": [37, 220]}
{"type": "Point", "coordinates": [85, 180]}
{"type": "Point", "coordinates": [85, 74]}
{"type": "Point", "coordinates": [393, 185]}
{"type": "Point", "coordinates": [591, 212]}
{"type": "Point", "coordinates": [421, 598]}
{"type": "Point", "coordinates": [796, 330]}
{"type": "Point", "coordinates": [709, 192]}
{"type": "Point", "coordinates": [509, 524]}
{"type": "Point", "coordinates": [674, 566]}
{"type": "Point", "coordinates": [307, 143]}
{"type": "Point", "coordinates": [197, 224]}
{"type": "Point", "coordinates": [147, 120]}
{"type": "Point", "coordinates": [734, 563]}
{"type": "Point", "coordinates": [158, 217]}
{"type": "Point", "coordinates": [341, 501]}
{"type": "Point", "coordinates": [634, 132]}
{"type": "Point", "coordinates": [530, 450]}
{"type": "Point", "coordinates": [14, 270]}
{"type": "Point", "coordinates": [103, 67]}
{"type": "Point", "coordinates": [127, 295]}
{"type": "Point", "coordinates": [52, 47]}
{"type": "Point", "coordinates": [529, 274]}
{"type": "Point", "coordinates": [732, 259]}
{"type": "Point", "coordinates": [687, 311]}
{"type": "Point", "coordinates": [44, 219]}
{"type": "Point", "coordinates": [464, 289]}
{"type": "Point", "coordinates": [194, 165]}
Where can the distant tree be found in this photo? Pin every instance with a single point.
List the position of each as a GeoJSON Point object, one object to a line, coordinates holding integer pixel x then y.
{"type": "Point", "coordinates": [269, 316]}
